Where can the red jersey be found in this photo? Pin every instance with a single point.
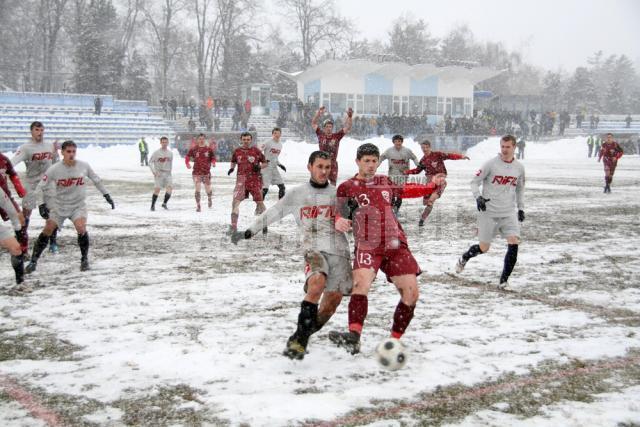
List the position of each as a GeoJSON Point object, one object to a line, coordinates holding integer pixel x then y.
{"type": "Point", "coordinates": [433, 164]}
{"type": "Point", "coordinates": [329, 143]}
{"type": "Point", "coordinates": [246, 159]}
{"type": "Point", "coordinates": [368, 205]}
{"type": "Point", "coordinates": [611, 151]}
{"type": "Point", "coordinates": [203, 158]}
{"type": "Point", "coordinates": [6, 169]}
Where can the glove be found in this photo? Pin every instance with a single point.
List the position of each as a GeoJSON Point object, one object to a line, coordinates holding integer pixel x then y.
{"type": "Point", "coordinates": [44, 211]}
{"type": "Point", "coordinates": [350, 112]}
{"type": "Point", "coordinates": [481, 202]}
{"type": "Point", "coordinates": [230, 171]}
{"type": "Point", "coordinates": [281, 166]}
{"type": "Point", "coordinates": [110, 201]}
{"type": "Point", "coordinates": [520, 215]}
{"type": "Point", "coordinates": [256, 167]}
{"type": "Point", "coordinates": [239, 235]}
{"type": "Point", "coordinates": [396, 202]}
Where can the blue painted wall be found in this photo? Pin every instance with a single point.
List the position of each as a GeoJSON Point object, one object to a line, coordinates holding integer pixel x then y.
{"type": "Point", "coordinates": [311, 88]}
{"type": "Point", "coordinates": [424, 87]}
{"type": "Point", "coordinates": [375, 84]}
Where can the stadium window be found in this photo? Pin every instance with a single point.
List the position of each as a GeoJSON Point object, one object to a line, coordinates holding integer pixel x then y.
{"type": "Point", "coordinates": [415, 105]}
{"type": "Point", "coordinates": [467, 107]}
{"type": "Point", "coordinates": [338, 103]}
{"type": "Point", "coordinates": [386, 104]}
{"type": "Point", "coordinates": [458, 106]}
{"type": "Point", "coordinates": [405, 105]}
{"type": "Point", "coordinates": [441, 105]}
{"type": "Point", "coordinates": [351, 103]}
{"type": "Point", "coordinates": [396, 105]}
{"type": "Point", "coordinates": [326, 100]}
{"type": "Point", "coordinates": [430, 105]}
{"type": "Point", "coordinates": [360, 103]}
{"type": "Point", "coordinates": [448, 108]}
{"type": "Point", "coordinates": [371, 104]}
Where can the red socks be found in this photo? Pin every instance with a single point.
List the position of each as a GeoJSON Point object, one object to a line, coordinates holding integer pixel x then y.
{"type": "Point", "coordinates": [401, 319]}
{"type": "Point", "coordinates": [358, 305]}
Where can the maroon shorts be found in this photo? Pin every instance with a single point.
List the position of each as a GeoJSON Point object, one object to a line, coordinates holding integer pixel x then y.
{"type": "Point", "coordinates": [205, 179]}
{"type": "Point", "coordinates": [610, 167]}
{"type": "Point", "coordinates": [243, 189]}
{"type": "Point", "coordinates": [392, 262]}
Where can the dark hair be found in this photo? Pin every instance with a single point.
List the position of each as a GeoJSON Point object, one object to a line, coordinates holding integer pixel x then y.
{"type": "Point", "coordinates": [243, 134]}
{"type": "Point", "coordinates": [609, 133]}
{"type": "Point", "coordinates": [367, 149]}
{"type": "Point", "coordinates": [68, 143]}
{"type": "Point", "coordinates": [202, 134]}
{"type": "Point", "coordinates": [397, 138]}
{"type": "Point", "coordinates": [36, 125]}
{"type": "Point", "coordinates": [509, 138]}
{"type": "Point", "coordinates": [319, 155]}
{"type": "Point", "coordinates": [164, 137]}
{"type": "Point", "coordinates": [326, 122]}
{"type": "Point", "coordinates": [426, 142]}
{"type": "Point", "coordinates": [276, 129]}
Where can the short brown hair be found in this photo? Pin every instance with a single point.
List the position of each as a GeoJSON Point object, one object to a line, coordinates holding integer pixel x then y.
{"type": "Point", "coordinates": [509, 138]}
{"type": "Point", "coordinates": [426, 142]}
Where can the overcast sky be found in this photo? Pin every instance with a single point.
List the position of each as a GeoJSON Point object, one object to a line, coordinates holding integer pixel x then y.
{"type": "Point", "coordinates": [550, 33]}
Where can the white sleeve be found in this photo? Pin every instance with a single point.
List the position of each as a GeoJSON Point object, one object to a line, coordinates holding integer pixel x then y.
{"type": "Point", "coordinates": [275, 213]}
{"type": "Point", "coordinates": [520, 191]}
{"type": "Point", "coordinates": [480, 175]}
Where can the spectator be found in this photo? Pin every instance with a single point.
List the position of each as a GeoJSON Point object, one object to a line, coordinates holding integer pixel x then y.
{"type": "Point", "coordinates": [628, 121]}
{"type": "Point", "coordinates": [184, 103]}
{"type": "Point", "coordinates": [209, 103]}
{"type": "Point", "coordinates": [192, 107]}
{"type": "Point", "coordinates": [173, 108]}
{"type": "Point", "coordinates": [191, 125]}
{"type": "Point", "coordinates": [144, 152]}
{"type": "Point", "coordinates": [97, 104]}
{"type": "Point", "coordinates": [247, 107]}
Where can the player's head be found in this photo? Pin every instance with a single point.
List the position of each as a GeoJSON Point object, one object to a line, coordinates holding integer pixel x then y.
{"type": "Point", "coordinates": [319, 166]}
{"type": "Point", "coordinates": [367, 158]}
{"type": "Point", "coordinates": [201, 139]}
{"type": "Point", "coordinates": [68, 150]}
{"type": "Point", "coordinates": [164, 142]}
{"type": "Point", "coordinates": [276, 133]}
{"type": "Point", "coordinates": [245, 139]}
{"type": "Point", "coordinates": [327, 126]}
{"type": "Point", "coordinates": [37, 130]}
{"type": "Point", "coordinates": [507, 147]}
{"type": "Point", "coordinates": [609, 137]}
{"type": "Point", "coordinates": [426, 147]}
{"type": "Point", "coordinates": [397, 141]}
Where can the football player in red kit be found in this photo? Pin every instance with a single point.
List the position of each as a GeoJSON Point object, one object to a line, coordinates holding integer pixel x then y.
{"type": "Point", "coordinates": [250, 162]}
{"type": "Point", "coordinates": [610, 153]}
{"type": "Point", "coordinates": [432, 163]}
{"type": "Point", "coordinates": [364, 205]}
{"type": "Point", "coordinates": [203, 158]}
{"type": "Point", "coordinates": [329, 141]}
{"type": "Point", "coordinates": [7, 170]}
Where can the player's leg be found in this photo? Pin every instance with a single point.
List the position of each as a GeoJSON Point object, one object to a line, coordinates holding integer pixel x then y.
{"type": "Point", "coordinates": [209, 190]}
{"type": "Point", "coordinates": [510, 228]}
{"type": "Point", "coordinates": [167, 195]}
{"type": "Point", "coordinates": [407, 285]}
{"type": "Point", "coordinates": [612, 170]}
{"type": "Point", "coordinates": [235, 210]}
{"type": "Point", "coordinates": [197, 181]}
{"type": "Point", "coordinates": [428, 202]}
{"type": "Point", "coordinates": [154, 197]}
{"type": "Point", "coordinates": [297, 343]}
{"type": "Point", "coordinates": [487, 228]}
{"type": "Point", "coordinates": [41, 244]}
{"type": "Point", "coordinates": [80, 224]}
{"type": "Point", "coordinates": [10, 243]}
{"type": "Point", "coordinates": [339, 283]}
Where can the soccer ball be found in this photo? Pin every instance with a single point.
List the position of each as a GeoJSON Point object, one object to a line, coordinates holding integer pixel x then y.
{"type": "Point", "coordinates": [391, 354]}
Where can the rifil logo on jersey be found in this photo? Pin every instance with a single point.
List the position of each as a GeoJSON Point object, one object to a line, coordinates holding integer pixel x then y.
{"type": "Point", "coordinates": [311, 212]}
{"type": "Point", "coordinates": [505, 180]}
{"type": "Point", "coordinates": [68, 182]}
{"type": "Point", "coordinates": [163, 159]}
{"type": "Point", "coordinates": [42, 156]}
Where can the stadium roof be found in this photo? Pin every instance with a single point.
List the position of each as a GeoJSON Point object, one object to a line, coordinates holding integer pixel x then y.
{"type": "Point", "coordinates": [391, 70]}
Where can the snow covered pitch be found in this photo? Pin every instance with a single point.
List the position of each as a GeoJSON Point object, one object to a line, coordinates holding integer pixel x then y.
{"type": "Point", "coordinates": [175, 326]}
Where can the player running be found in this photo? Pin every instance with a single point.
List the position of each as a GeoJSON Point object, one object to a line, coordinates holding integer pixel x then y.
{"type": "Point", "coordinates": [9, 242]}
{"type": "Point", "coordinates": [364, 204]}
{"type": "Point", "coordinates": [64, 194]}
{"type": "Point", "coordinates": [160, 164]}
{"type": "Point", "coordinates": [432, 163]}
{"type": "Point", "coordinates": [250, 162]}
{"type": "Point", "coordinates": [37, 156]}
{"type": "Point", "coordinates": [271, 174]}
{"type": "Point", "coordinates": [502, 180]}
{"type": "Point", "coordinates": [329, 141]}
{"type": "Point", "coordinates": [398, 157]}
{"type": "Point", "coordinates": [203, 157]}
{"type": "Point", "coordinates": [610, 153]}
{"type": "Point", "coordinates": [326, 252]}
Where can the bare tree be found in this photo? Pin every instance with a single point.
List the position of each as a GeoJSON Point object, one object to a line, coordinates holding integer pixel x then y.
{"type": "Point", "coordinates": [207, 46]}
{"type": "Point", "coordinates": [50, 24]}
{"type": "Point", "coordinates": [317, 22]}
{"type": "Point", "coordinates": [164, 33]}
{"type": "Point", "coordinates": [130, 22]}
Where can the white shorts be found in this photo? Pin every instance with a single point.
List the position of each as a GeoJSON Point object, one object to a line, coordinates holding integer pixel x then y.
{"type": "Point", "coordinates": [336, 269]}
{"type": "Point", "coordinates": [271, 176]}
{"type": "Point", "coordinates": [489, 227]}
{"type": "Point", "coordinates": [163, 180]}
{"type": "Point", "coordinates": [6, 232]}
{"type": "Point", "coordinates": [29, 200]}
{"type": "Point", "coordinates": [60, 216]}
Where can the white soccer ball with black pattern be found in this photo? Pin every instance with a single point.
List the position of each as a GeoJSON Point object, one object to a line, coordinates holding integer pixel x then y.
{"type": "Point", "coordinates": [391, 354]}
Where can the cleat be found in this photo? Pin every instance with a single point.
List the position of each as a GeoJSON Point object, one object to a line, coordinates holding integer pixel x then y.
{"type": "Point", "coordinates": [209, 202]}
{"type": "Point", "coordinates": [350, 341]}
{"type": "Point", "coordinates": [504, 286]}
{"type": "Point", "coordinates": [265, 230]}
{"type": "Point", "coordinates": [460, 265]}
{"type": "Point", "coordinates": [294, 349]}
{"type": "Point", "coordinates": [31, 267]}
{"type": "Point", "coordinates": [164, 206]}
{"type": "Point", "coordinates": [231, 230]}
{"type": "Point", "coordinates": [198, 208]}
{"type": "Point", "coordinates": [53, 248]}
{"type": "Point", "coordinates": [84, 265]}
{"type": "Point", "coordinates": [20, 289]}
{"type": "Point", "coordinates": [153, 208]}
{"type": "Point", "coordinates": [421, 223]}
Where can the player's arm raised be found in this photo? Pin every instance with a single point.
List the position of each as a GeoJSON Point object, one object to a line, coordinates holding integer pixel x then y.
{"type": "Point", "coordinates": [348, 122]}
{"type": "Point", "coordinates": [314, 120]}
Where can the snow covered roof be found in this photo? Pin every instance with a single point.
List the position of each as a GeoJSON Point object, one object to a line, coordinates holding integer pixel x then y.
{"type": "Point", "coordinates": [359, 67]}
